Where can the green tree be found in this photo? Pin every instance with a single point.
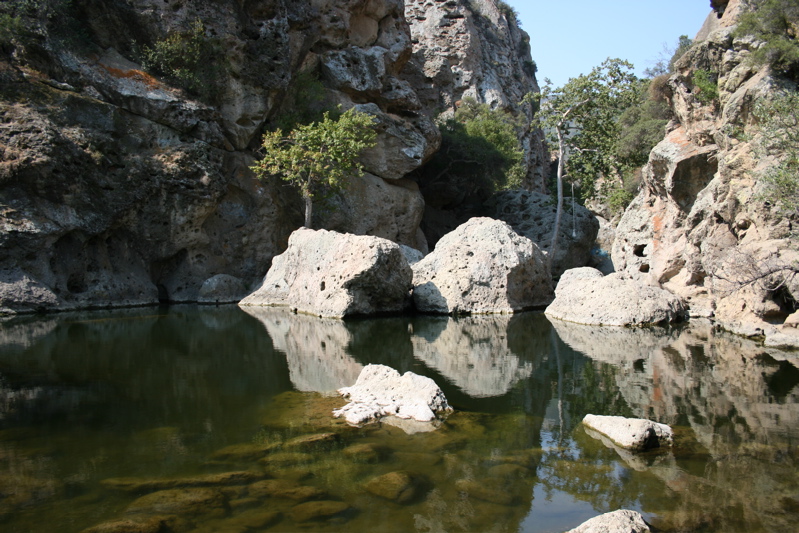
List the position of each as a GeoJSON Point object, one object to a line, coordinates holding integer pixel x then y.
{"type": "Point", "coordinates": [583, 121]}
{"type": "Point", "coordinates": [775, 23]}
{"type": "Point", "coordinates": [779, 121]}
{"type": "Point", "coordinates": [319, 157]}
{"type": "Point", "coordinates": [480, 152]}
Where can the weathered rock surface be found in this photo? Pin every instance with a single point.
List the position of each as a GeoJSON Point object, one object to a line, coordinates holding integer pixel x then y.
{"type": "Point", "coordinates": [193, 502]}
{"type": "Point", "coordinates": [222, 288]}
{"type": "Point", "coordinates": [622, 521]}
{"type": "Point", "coordinates": [160, 194]}
{"type": "Point", "coordinates": [474, 49]}
{"type": "Point", "coordinates": [697, 227]}
{"type": "Point", "coordinates": [318, 510]}
{"type": "Point", "coordinates": [532, 214]}
{"type": "Point", "coordinates": [585, 296]}
{"type": "Point", "coordinates": [632, 433]}
{"type": "Point", "coordinates": [331, 274]}
{"type": "Point", "coordinates": [482, 267]}
{"type": "Point", "coordinates": [381, 391]}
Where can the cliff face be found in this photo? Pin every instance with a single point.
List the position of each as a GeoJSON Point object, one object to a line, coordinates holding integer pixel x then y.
{"type": "Point", "coordinates": [119, 188]}
{"type": "Point", "coordinates": [473, 49]}
{"type": "Point", "coordinates": [697, 226]}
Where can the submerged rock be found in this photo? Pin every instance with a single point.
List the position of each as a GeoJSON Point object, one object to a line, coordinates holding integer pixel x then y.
{"type": "Point", "coordinates": [382, 391]}
{"type": "Point", "coordinates": [400, 487]}
{"type": "Point", "coordinates": [585, 296]}
{"type": "Point", "coordinates": [482, 267]}
{"type": "Point", "coordinates": [622, 521]}
{"type": "Point", "coordinates": [632, 433]}
{"type": "Point", "coordinates": [194, 502]}
{"type": "Point", "coordinates": [332, 274]}
{"type": "Point", "coordinates": [318, 510]}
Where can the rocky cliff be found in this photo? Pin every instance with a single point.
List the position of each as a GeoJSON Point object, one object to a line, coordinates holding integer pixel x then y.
{"type": "Point", "coordinates": [698, 226]}
{"type": "Point", "coordinates": [119, 186]}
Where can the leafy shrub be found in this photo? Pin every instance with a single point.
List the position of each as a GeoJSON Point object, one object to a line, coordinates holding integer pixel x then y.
{"type": "Point", "coordinates": [304, 103]}
{"type": "Point", "coordinates": [779, 121]}
{"type": "Point", "coordinates": [480, 150]}
{"type": "Point", "coordinates": [187, 59]}
{"type": "Point", "coordinates": [775, 24]}
{"type": "Point", "coordinates": [706, 86]}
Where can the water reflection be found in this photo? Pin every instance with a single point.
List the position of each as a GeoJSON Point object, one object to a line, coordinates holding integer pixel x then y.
{"type": "Point", "coordinates": [472, 352]}
{"type": "Point", "coordinates": [167, 394]}
{"type": "Point", "coordinates": [316, 349]}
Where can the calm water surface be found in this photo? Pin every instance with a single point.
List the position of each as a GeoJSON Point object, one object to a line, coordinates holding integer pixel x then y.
{"type": "Point", "coordinates": [212, 419]}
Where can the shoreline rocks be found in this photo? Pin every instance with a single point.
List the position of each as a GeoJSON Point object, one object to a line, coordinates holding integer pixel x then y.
{"type": "Point", "coordinates": [585, 296]}
{"type": "Point", "coordinates": [482, 267]}
{"type": "Point", "coordinates": [331, 274]}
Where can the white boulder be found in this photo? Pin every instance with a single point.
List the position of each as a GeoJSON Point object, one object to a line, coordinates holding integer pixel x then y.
{"type": "Point", "coordinates": [331, 274]}
{"type": "Point", "coordinates": [482, 267]}
{"type": "Point", "coordinates": [585, 296]}
{"type": "Point", "coordinates": [381, 391]}
{"type": "Point", "coordinates": [621, 521]}
{"type": "Point", "coordinates": [631, 433]}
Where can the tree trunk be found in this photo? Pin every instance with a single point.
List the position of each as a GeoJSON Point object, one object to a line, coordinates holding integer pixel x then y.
{"type": "Point", "coordinates": [308, 210]}
{"type": "Point", "coordinates": [553, 245]}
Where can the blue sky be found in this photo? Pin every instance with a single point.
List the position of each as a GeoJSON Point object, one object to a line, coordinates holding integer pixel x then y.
{"type": "Point", "coordinates": [569, 38]}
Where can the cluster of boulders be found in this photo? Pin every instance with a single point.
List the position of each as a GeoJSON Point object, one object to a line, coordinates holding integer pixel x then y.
{"type": "Point", "coordinates": [481, 267]}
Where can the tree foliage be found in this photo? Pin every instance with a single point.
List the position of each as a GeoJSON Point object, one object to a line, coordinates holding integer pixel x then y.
{"type": "Point", "coordinates": [776, 24]}
{"type": "Point", "coordinates": [779, 121]}
{"type": "Point", "coordinates": [318, 158]}
{"type": "Point", "coordinates": [480, 151]}
{"type": "Point", "coordinates": [188, 59]}
{"type": "Point", "coordinates": [583, 121]}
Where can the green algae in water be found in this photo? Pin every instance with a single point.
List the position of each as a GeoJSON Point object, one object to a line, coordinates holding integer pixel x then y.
{"type": "Point", "coordinates": [209, 419]}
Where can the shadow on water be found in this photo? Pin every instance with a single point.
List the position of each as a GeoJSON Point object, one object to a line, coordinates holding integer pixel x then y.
{"type": "Point", "coordinates": [213, 419]}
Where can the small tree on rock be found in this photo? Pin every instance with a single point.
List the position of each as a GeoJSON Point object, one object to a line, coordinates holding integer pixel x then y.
{"type": "Point", "coordinates": [318, 158]}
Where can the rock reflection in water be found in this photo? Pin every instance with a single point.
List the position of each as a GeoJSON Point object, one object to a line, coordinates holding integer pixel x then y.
{"type": "Point", "coordinates": [739, 400]}
{"type": "Point", "coordinates": [316, 348]}
{"type": "Point", "coordinates": [473, 352]}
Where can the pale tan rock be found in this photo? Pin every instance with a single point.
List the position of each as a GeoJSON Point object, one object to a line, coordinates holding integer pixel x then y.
{"type": "Point", "coordinates": [334, 275]}
{"type": "Point", "coordinates": [482, 267]}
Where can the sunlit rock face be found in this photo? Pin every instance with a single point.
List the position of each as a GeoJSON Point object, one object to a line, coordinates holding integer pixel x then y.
{"type": "Point", "coordinates": [482, 267]}
{"type": "Point", "coordinates": [315, 348]}
{"type": "Point", "coordinates": [330, 274]}
{"type": "Point", "coordinates": [697, 227]}
{"type": "Point", "coordinates": [474, 49]}
{"type": "Point", "coordinates": [473, 353]}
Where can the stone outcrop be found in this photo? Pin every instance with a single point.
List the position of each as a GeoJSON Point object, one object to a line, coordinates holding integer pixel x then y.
{"type": "Point", "coordinates": [532, 214]}
{"type": "Point", "coordinates": [585, 296]}
{"type": "Point", "coordinates": [622, 521]}
{"type": "Point", "coordinates": [698, 227]}
{"type": "Point", "coordinates": [482, 267]}
{"type": "Point", "coordinates": [331, 274]}
{"type": "Point", "coordinates": [119, 188]}
{"type": "Point", "coordinates": [631, 433]}
{"type": "Point", "coordinates": [381, 391]}
{"type": "Point", "coordinates": [474, 49]}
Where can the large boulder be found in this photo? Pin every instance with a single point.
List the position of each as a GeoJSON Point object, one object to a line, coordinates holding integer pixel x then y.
{"type": "Point", "coordinates": [332, 274]}
{"type": "Point", "coordinates": [533, 214]}
{"type": "Point", "coordinates": [585, 296]}
{"type": "Point", "coordinates": [482, 267]}
{"type": "Point", "coordinates": [621, 521]}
